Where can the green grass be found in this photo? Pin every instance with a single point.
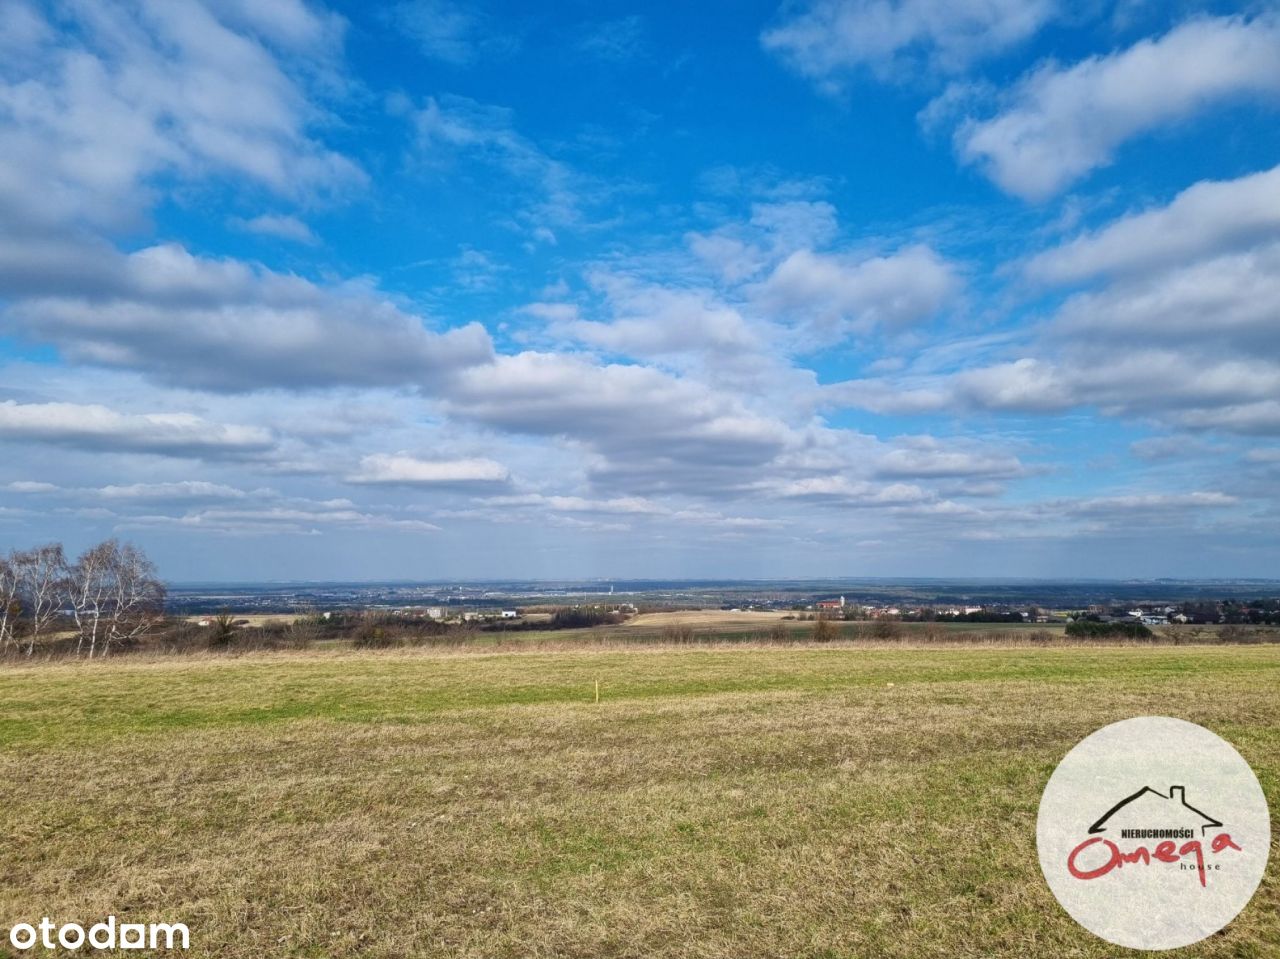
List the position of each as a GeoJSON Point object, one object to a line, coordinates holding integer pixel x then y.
{"type": "Point", "coordinates": [799, 802]}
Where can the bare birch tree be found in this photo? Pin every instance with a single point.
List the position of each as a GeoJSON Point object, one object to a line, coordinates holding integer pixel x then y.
{"type": "Point", "coordinates": [137, 593]}
{"type": "Point", "coordinates": [91, 593]}
{"type": "Point", "coordinates": [41, 576]}
{"type": "Point", "coordinates": [10, 606]}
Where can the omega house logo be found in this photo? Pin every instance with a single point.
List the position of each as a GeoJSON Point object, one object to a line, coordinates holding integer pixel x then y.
{"type": "Point", "coordinates": [1153, 833]}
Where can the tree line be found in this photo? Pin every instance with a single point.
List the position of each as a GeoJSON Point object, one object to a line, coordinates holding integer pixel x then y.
{"type": "Point", "coordinates": [110, 597]}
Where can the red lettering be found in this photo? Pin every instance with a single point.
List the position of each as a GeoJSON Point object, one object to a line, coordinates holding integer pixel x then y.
{"type": "Point", "coordinates": [1164, 852]}
{"type": "Point", "coordinates": [1194, 847]}
{"type": "Point", "coordinates": [1138, 855]}
{"type": "Point", "coordinates": [1102, 870]}
{"type": "Point", "coordinates": [1224, 841]}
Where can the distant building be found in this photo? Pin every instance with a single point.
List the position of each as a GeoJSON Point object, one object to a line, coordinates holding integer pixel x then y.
{"type": "Point", "coordinates": [509, 614]}
{"type": "Point", "coordinates": [435, 612]}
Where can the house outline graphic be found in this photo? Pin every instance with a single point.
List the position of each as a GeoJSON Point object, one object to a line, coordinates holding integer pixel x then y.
{"type": "Point", "coordinates": [1176, 794]}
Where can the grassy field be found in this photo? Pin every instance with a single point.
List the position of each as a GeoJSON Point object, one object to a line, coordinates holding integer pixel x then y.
{"type": "Point", "coordinates": [781, 802]}
{"type": "Point", "coordinates": [707, 618]}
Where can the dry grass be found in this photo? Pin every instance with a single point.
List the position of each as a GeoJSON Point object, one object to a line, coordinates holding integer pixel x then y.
{"type": "Point", "coordinates": [717, 803]}
{"type": "Point", "coordinates": [706, 618]}
{"type": "Point", "coordinates": [252, 619]}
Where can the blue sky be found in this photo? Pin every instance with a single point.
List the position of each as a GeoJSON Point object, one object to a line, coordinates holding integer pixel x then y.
{"type": "Point", "coordinates": [849, 287]}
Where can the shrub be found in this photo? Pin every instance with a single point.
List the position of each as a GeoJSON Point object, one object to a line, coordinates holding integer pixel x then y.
{"type": "Point", "coordinates": [371, 636]}
{"type": "Point", "coordinates": [580, 617]}
{"type": "Point", "coordinates": [678, 634]}
{"type": "Point", "coordinates": [1089, 629]}
{"type": "Point", "coordinates": [886, 629]}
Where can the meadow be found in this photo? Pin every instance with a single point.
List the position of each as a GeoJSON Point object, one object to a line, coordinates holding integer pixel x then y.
{"type": "Point", "coordinates": [733, 801]}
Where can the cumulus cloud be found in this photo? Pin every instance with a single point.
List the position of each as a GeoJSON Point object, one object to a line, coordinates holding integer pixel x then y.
{"type": "Point", "coordinates": [1232, 395]}
{"type": "Point", "coordinates": [183, 491]}
{"type": "Point", "coordinates": [31, 487]}
{"type": "Point", "coordinates": [97, 428]}
{"type": "Point", "coordinates": [92, 115]}
{"type": "Point", "coordinates": [402, 469]}
{"type": "Point", "coordinates": [836, 294]}
{"type": "Point", "coordinates": [305, 518]}
{"type": "Point", "coordinates": [653, 321]}
{"type": "Point", "coordinates": [229, 325]}
{"type": "Point", "coordinates": [1208, 218]}
{"type": "Point", "coordinates": [843, 491]}
{"type": "Point", "coordinates": [648, 429]}
{"type": "Point", "coordinates": [619, 505]}
{"type": "Point", "coordinates": [1142, 503]}
{"type": "Point", "coordinates": [828, 39]}
{"type": "Point", "coordinates": [1231, 302]}
{"type": "Point", "coordinates": [930, 458]}
{"type": "Point", "coordinates": [1059, 123]}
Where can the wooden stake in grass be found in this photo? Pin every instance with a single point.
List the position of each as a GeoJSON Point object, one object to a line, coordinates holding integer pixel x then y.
{"type": "Point", "coordinates": [597, 691]}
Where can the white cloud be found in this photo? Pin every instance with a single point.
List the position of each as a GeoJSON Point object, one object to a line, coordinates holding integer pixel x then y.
{"type": "Point", "coordinates": [1141, 503]}
{"type": "Point", "coordinates": [449, 126]}
{"type": "Point", "coordinates": [30, 487]}
{"type": "Point", "coordinates": [1260, 418]}
{"type": "Point", "coordinates": [615, 40]}
{"type": "Point", "coordinates": [927, 457]}
{"type": "Point", "coordinates": [304, 519]}
{"type": "Point", "coordinates": [402, 469]}
{"type": "Point", "coordinates": [620, 505]}
{"type": "Point", "coordinates": [843, 491]}
{"type": "Point", "coordinates": [827, 39]}
{"type": "Point", "coordinates": [647, 430]}
{"type": "Point", "coordinates": [93, 427]}
{"type": "Point", "coordinates": [1230, 303]}
{"type": "Point", "coordinates": [1062, 122]}
{"type": "Point", "coordinates": [1178, 387]}
{"type": "Point", "coordinates": [835, 295]}
{"type": "Point", "coordinates": [1181, 327]}
{"type": "Point", "coordinates": [740, 252]}
{"type": "Point", "coordinates": [1207, 218]}
{"type": "Point", "coordinates": [228, 325]}
{"type": "Point", "coordinates": [138, 90]}
{"type": "Point", "coordinates": [653, 320]}
{"type": "Point", "coordinates": [292, 24]}
{"type": "Point", "coordinates": [282, 227]}
{"type": "Point", "coordinates": [177, 492]}
{"type": "Point", "coordinates": [452, 33]}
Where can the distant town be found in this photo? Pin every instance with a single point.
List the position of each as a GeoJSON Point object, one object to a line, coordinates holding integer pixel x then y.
{"type": "Point", "coordinates": [1152, 603]}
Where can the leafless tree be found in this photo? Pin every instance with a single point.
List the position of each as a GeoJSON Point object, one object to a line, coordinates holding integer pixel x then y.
{"type": "Point", "coordinates": [137, 596]}
{"type": "Point", "coordinates": [41, 578]}
{"type": "Point", "coordinates": [91, 593]}
{"type": "Point", "coordinates": [10, 606]}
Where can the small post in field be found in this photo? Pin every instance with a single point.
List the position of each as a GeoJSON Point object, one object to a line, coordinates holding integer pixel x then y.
{"type": "Point", "coordinates": [597, 691]}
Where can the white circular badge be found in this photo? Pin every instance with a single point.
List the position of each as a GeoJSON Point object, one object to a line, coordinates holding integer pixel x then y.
{"type": "Point", "coordinates": [1153, 833]}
